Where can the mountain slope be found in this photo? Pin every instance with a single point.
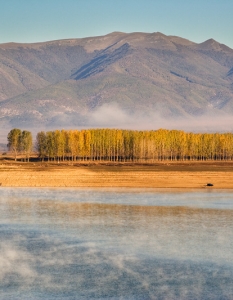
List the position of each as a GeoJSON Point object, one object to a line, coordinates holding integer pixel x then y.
{"type": "Point", "coordinates": [62, 83]}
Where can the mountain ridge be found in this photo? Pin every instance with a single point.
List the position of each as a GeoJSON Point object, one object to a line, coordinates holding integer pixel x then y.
{"type": "Point", "coordinates": [70, 79]}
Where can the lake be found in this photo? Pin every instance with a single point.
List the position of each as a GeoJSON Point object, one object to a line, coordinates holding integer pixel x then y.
{"type": "Point", "coordinates": [116, 243]}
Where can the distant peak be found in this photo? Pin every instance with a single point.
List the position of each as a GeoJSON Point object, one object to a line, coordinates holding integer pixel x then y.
{"type": "Point", "coordinates": [117, 33]}
{"type": "Point", "coordinates": [160, 34]}
{"type": "Point", "coordinates": [210, 41]}
{"type": "Point", "coordinates": [211, 44]}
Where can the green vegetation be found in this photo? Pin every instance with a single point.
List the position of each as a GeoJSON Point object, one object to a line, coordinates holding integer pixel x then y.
{"type": "Point", "coordinates": [20, 142]}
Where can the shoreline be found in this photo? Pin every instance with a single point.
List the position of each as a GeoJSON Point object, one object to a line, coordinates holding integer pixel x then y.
{"type": "Point", "coordinates": [194, 175]}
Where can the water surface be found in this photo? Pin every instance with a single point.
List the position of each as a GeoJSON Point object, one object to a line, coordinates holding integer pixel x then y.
{"type": "Point", "coordinates": [116, 244]}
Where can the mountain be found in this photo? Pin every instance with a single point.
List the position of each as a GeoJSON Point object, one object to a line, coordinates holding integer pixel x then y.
{"type": "Point", "coordinates": [120, 76]}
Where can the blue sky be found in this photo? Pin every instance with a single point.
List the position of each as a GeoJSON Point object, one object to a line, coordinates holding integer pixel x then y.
{"type": "Point", "coordinates": [43, 20]}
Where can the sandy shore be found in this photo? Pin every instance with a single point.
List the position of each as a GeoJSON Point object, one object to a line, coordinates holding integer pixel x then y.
{"type": "Point", "coordinates": [159, 175]}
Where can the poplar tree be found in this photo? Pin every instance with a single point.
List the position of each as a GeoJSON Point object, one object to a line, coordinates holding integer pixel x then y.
{"type": "Point", "coordinates": [26, 143]}
{"type": "Point", "coordinates": [41, 144]}
{"type": "Point", "coordinates": [131, 145]}
{"type": "Point", "coordinates": [14, 139]}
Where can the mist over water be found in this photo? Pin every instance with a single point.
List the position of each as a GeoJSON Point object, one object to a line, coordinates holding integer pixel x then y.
{"type": "Point", "coordinates": [113, 116]}
{"type": "Point", "coordinates": [116, 244]}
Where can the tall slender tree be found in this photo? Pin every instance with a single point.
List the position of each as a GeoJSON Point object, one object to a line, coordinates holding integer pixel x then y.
{"type": "Point", "coordinates": [41, 144]}
{"type": "Point", "coordinates": [14, 139]}
{"type": "Point", "coordinates": [26, 143]}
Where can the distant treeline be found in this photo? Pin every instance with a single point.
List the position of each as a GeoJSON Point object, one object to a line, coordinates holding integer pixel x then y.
{"type": "Point", "coordinates": [131, 145]}
{"type": "Point", "coordinates": [123, 145]}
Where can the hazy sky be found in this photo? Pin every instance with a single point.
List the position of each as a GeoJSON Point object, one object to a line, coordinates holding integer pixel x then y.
{"type": "Point", "coordinates": [42, 20]}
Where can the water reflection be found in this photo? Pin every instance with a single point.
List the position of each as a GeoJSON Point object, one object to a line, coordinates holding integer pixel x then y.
{"type": "Point", "coordinates": [74, 245]}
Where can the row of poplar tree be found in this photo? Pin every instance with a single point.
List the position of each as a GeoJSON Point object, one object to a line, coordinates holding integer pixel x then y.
{"type": "Point", "coordinates": [123, 145]}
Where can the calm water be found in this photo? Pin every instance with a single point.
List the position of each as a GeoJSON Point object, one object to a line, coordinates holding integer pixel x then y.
{"type": "Point", "coordinates": [116, 244]}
